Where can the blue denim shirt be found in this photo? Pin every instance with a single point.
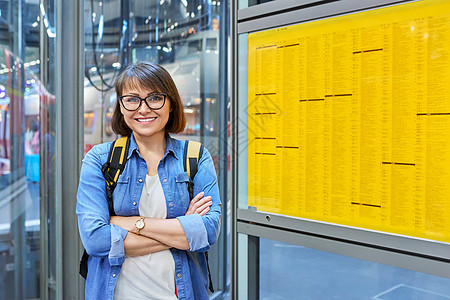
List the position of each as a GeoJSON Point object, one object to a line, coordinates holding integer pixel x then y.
{"type": "Point", "coordinates": [104, 242]}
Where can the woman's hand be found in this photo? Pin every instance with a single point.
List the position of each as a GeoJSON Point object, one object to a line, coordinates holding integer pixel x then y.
{"type": "Point", "coordinates": [199, 205]}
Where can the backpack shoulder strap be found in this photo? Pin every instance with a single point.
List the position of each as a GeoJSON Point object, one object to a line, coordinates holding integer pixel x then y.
{"type": "Point", "coordinates": [192, 153]}
{"type": "Point", "coordinates": [117, 158]}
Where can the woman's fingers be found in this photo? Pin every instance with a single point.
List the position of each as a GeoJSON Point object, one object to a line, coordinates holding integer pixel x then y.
{"type": "Point", "coordinates": [202, 201]}
{"type": "Point", "coordinates": [198, 197]}
{"type": "Point", "coordinates": [199, 205]}
{"type": "Point", "coordinates": [191, 209]}
{"type": "Point", "coordinates": [202, 210]}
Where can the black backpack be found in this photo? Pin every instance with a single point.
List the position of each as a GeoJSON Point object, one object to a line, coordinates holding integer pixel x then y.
{"type": "Point", "coordinates": [117, 158]}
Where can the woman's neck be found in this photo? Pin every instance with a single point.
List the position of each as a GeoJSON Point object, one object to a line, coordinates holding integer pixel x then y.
{"type": "Point", "coordinates": [155, 144]}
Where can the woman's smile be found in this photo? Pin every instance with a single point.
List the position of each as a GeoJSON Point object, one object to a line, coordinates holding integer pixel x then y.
{"type": "Point", "coordinates": [146, 120]}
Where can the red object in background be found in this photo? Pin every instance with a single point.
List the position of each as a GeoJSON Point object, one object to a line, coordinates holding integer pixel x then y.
{"type": "Point", "coordinates": [87, 147]}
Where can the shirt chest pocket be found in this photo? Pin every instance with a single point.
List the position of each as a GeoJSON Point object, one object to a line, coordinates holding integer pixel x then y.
{"type": "Point", "coordinates": [182, 181]}
{"type": "Point", "coordinates": [119, 193]}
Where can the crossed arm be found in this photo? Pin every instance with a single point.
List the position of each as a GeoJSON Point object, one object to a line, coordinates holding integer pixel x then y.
{"type": "Point", "coordinates": [159, 234]}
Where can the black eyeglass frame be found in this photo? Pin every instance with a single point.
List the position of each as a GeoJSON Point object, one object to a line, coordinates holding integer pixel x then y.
{"type": "Point", "coordinates": [143, 100]}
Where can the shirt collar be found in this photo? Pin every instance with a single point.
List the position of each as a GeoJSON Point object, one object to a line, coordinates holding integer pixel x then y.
{"type": "Point", "coordinates": [170, 146]}
{"type": "Point", "coordinates": [133, 146]}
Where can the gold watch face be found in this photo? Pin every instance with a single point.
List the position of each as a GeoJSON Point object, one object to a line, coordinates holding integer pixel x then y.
{"type": "Point", "coordinates": [140, 224]}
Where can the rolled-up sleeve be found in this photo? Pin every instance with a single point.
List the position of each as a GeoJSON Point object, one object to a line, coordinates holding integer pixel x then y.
{"type": "Point", "coordinates": [98, 236]}
{"type": "Point", "coordinates": [202, 231]}
{"type": "Point", "coordinates": [117, 252]}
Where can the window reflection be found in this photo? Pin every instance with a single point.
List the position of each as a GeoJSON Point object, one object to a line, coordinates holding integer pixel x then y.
{"type": "Point", "coordinates": [19, 178]}
{"type": "Point", "coordinates": [26, 132]}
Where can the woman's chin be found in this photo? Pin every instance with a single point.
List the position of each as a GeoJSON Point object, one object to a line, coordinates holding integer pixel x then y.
{"type": "Point", "coordinates": [148, 132]}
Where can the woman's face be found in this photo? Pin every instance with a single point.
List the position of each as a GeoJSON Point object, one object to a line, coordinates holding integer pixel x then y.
{"type": "Point", "coordinates": [144, 121]}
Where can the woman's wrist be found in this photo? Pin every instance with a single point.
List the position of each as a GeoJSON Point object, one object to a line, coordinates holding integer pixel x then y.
{"type": "Point", "coordinates": [127, 223]}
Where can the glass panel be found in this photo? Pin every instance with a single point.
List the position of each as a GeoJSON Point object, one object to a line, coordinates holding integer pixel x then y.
{"type": "Point", "coordinates": [106, 34]}
{"type": "Point", "coordinates": [20, 148]}
{"type": "Point", "coordinates": [242, 4]}
{"type": "Point", "coordinates": [303, 273]}
{"type": "Point", "coordinates": [242, 257]}
{"type": "Point", "coordinates": [182, 36]}
{"type": "Point", "coordinates": [248, 3]}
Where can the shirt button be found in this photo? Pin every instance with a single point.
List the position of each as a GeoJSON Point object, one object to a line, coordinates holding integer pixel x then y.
{"type": "Point", "coordinates": [134, 203]}
{"type": "Point", "coordinates": [140, 180]}
{"type": "Point", "coordinates": [165, 180]}
{"type": "Point", "coordinates": [114, 275]}
{"type": "Point", "coordinates": [170, 204]}
{"type": "Point", "coordinates": [178, 275]}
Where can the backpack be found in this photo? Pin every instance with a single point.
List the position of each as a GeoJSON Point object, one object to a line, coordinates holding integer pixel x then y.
{"type": "Point", "coordinates": [115, 164]}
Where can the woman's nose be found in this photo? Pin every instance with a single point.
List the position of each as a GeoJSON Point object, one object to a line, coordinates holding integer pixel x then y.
{"type": "Point", "coordinates": [143, 107]}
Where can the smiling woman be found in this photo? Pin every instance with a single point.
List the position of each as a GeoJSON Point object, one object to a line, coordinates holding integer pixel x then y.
{"type": "Point", "coordinates": [141, 253]}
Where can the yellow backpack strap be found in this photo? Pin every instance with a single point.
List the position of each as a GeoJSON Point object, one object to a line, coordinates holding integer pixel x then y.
{"type": "Point", "coordinates": [192, 153]}
{"type": "Point", "coordinates": [117, 158]}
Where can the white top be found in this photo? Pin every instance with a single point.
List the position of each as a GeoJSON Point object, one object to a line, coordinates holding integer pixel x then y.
{"type": "Point", "coordinates": [149, 276]}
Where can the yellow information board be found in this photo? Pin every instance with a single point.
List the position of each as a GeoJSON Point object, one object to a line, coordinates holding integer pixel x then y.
{"type": "Point", "coordinates": [349, 120]}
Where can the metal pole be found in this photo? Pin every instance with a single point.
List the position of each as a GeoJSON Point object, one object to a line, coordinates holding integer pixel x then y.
{"type": "Point", "coordinates": [70, 61]}
{"type": "Point", "coordinates": [223, 138]}
{"type": "Point", "coordinates": [234, 144]}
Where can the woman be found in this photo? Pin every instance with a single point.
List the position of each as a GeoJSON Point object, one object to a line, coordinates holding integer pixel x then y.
{"type": "Point", "coordinates": [154, 247]}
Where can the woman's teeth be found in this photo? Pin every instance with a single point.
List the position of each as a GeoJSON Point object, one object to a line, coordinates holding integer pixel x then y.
{"type": "Point", "coordinates": [146, 120]}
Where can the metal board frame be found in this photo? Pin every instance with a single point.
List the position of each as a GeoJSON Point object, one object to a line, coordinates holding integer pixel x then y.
{"type": "Point", "coordinates": [376, 239]}
{"type": "Point", "coordinates": [275, 7]}
{"type": "Point", "coordinates": [320, 10]}
{"type": "Point", "coordinates": [411, 253]}
{"type": "Point", "coordinates": [395, 259]}
{"type": "Point", "coordinates": [428, 249]}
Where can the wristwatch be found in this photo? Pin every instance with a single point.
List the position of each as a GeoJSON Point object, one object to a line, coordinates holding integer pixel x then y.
{"type": "Point", "coordinates": [140, 224]}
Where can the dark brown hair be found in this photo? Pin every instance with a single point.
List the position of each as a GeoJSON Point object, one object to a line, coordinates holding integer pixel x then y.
{"type": "Point", "coordinates": [147, 75]}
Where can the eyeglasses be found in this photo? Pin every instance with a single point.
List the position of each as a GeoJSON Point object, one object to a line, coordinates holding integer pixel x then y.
{"type": "Point", "coordinates": [154, 101]}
